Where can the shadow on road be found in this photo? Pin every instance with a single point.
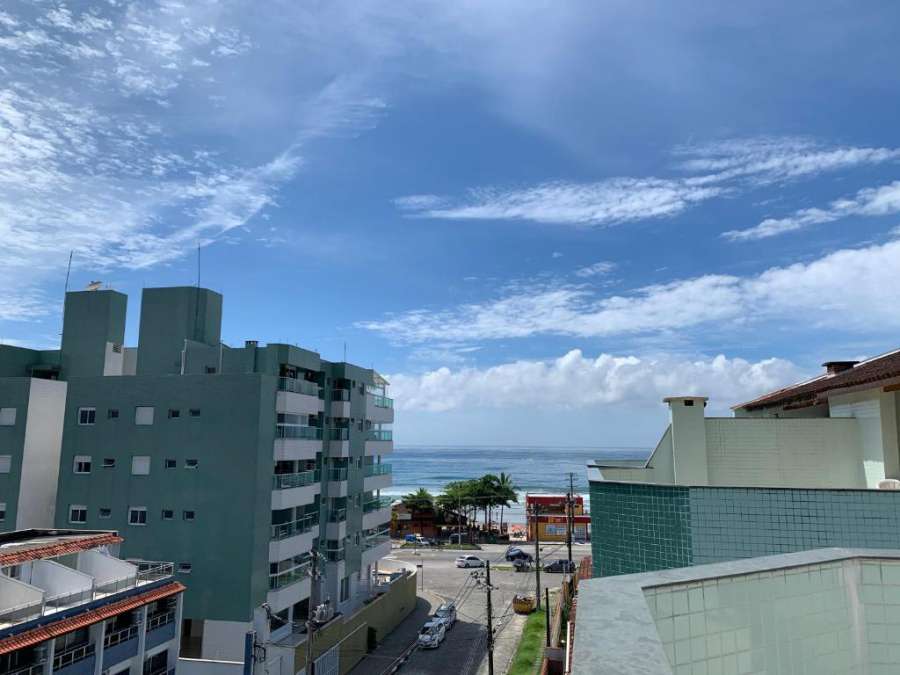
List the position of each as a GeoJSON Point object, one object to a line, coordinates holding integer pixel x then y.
{"type": "Point", "coordinates": [398, 641]}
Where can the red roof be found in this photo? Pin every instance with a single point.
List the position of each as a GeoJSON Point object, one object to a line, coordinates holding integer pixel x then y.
{"type": "Point", "coordinates": [52, 630]}
{"type": "Point", "coordinates": [874, 370]}
{"type": "Point", "coordinates": [57, 549]}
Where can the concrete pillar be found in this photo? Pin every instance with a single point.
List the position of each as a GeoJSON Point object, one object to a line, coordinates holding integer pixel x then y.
{"type": "Point", "coordinates": [890, 434]}
{"type": "Point", "coordinates": [99, 647]}
{"type": "Point", "coordinates": [142, 640]}
{"type": "Point", "coordinates": [175, 647]}
{"type": "Point", "coordinates": [689, 439]}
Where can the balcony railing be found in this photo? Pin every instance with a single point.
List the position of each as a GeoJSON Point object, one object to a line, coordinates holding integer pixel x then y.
{"type": "Point", "coordinates": [296, 431]}
{"type": "Point", "coordinates": [376, 470]}
{"type": "Point", "coordinates": [337, 474]}
{"type": "Point", "coordinates": [158, 620]}
{"type": "Point", "coordinates": [334, 554]}
{"type": "Point", "coordinates": [120, 636]}
{"type": "Point", "coordinates": [298, 386]}
{"type": "Point", "coordinates": [376, 504]}
{"type": "Point", "coordinates": [338, 515]}
{"type": "Point", "coordinates": [301, 526]}
{"type": "Point", "coordinates": [381, 435]}
{"type": "Point", "coordinates": [34, 669]}
{"type": "Point", "coordinates": [73, 655]}
{"type": "Point", "coordinates": [340, 395]}
{"type": "Point", "coordinates": [382, 401]}
{"type": "Point", "coordinates": [377, 539]}
{"type": "Point", "coordinates": [338, 434]}
{"type": "Point", "coordinates": [285, 481]}
{"type": "Point", "coordinates": [289, 577]}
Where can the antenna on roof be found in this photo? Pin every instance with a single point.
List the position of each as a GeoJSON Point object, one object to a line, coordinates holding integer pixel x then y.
{"type": "Point", "coordinates": [198, 263]}
{"type": "Point", "coordinates": [345, 351]}
{"type": "Point", "coordinates": [65, 292]}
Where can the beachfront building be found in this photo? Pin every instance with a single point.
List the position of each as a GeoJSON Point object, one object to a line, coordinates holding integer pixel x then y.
{"type": "Point", "coordinates": [246, 466]}
{"type": "Point", "coordinates": [812, 465]}
{"type": "Point", "coordinates": [546, 518]}
{"type": "Point", "coordinates": [70, 606]}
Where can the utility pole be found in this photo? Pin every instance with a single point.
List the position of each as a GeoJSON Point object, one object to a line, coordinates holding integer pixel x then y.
{"type": "Point", "coordinates": [310, 668]}
{"type": "Point", "coordinates": [537, 555]}
{"type": "Point", "coordinates": [570, 516]}
{"type": "Point", "coordinates": [490, 623]}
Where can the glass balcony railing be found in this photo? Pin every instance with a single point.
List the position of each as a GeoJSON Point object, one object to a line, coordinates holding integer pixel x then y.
{"type": "Point", "coordinates": [285, 481]}
{"type": "Point", "coordinates": [376, 504]}
{"type": "Point", "coordinates": [298, 386]}
{"type": "Point", "coordinates": [376, 470]}
{"type": "Point", "coordinates": [381, 435]}
{"type": "Point", "coordinates": [295, 431]}
{"type": "Point", "coordinates": [340, 395]}
{"type": "Point", "coordinates": [336, 474]}
{"type": "Point", "coordinates": [289, 577]}
{"type": "Point", "coordinates": [334, 554]}
{"type": "Point", "coordinates": [337, 515]}
{"type": "Point", "coordinates": [300, 526]}
{"type": "Point", "coordinates": [377, 538]}
{"type": "Point", "coordinates": [338, 434]}
{"type": "Point", "coordinates": [382, 401]}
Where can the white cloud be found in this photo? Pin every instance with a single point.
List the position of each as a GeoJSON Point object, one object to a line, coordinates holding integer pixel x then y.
{"type": "Point", "coordinates": [576, 381]}
{"type": "Point", "coordinates": [597, 269]}
{"type": "Point", "coordinates": [611, 201]}
{"type": "Point", "coordinates": [880, 201]}
{"type": "Point", "coordinates": [850, 289]}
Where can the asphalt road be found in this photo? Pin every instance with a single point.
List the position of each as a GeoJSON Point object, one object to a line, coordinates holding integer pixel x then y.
{"type": "Point", "coordinates": [464, 650]}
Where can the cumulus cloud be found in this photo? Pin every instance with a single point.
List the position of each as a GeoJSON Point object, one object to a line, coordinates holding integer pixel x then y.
{"type": "Point", "coordinates": [849, 289]}
{"type": "Point", "coordinates": [576, 381]}
{"type": "Point", "coordinates": [880, 201]}
{"type": "Point", "coordinates": [597, 269]}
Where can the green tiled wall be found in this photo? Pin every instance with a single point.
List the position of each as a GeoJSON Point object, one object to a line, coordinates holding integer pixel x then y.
{"type": "Point", "coordinates": [636, 528]}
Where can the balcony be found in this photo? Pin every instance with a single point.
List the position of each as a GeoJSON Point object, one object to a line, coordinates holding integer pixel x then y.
{"type": "Point", "coordinates": [291, 539]}
{"type": "Point", "coordinates": [379, 409]}
{"type": "Point", "coordinates": [289, 587]}
{"type": "Point", "coordinates": [376, 477]}
{"type": "Point", "coordinates": [295, 442]}
{"type": "Point", "coordinates": [376, 512]}
{"type": "Point", "coordinates": [77, 660]}
{"type": "Point", "coordinates": [294, 489]}
{"type": "Point", "coordinates": [338, 442]}
{"type": "Point", "coordinates": [119, 645]}
{"type": "Point", "coordinates": [298, 397]}
{"type": "Point", "coordinates": [34, 669]}
{"type": "Point", "coordinates": [337, 481]}
{"type": "Point", "coordinates": [340, 403]}
{"type": "Point", "coordinates": [160, 628]}
{"type": "Point", "coordinates": [376, 547]}
{"type": "Point", "coordinates": [379, 442]}
{"type": "Point", "coordinates": [336, 528]}
{"type": "Point", "coordinates": [335, 554]}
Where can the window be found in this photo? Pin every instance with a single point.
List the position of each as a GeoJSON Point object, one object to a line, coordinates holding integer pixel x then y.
{"type": "Point", "coordinates": [140, 465]}
{"type": "Point", "coordinates": [191, 464]}
{"type": "Point", "coordinates": [137, 515]}
{"type": "Point", "coordinates": [82, 464]}
{"type": "Point", "coordinates": [689, 403]}
{"type": "Point", "coordinates": [7, 417]}
{"type": "Point", "coordinates": [143, 415]}
{"type": "Point", "coordinates": [2, 511]}
{"type": "Point", "coordinates": [109, 462]}
{"type": "Point", "coordinates": [87, 416]}
{"type": "Point", "coordinates": [170, 463]}
{"type": "Point", "coordinates": [210, 370]}
{"type": "Point", "coordinates": [173, 413]}
{"type": "Point", "coordinates": [5, 463]}
{"type": "Point", "coordinates": [188, 515]}
{"type": "Point", "coordinates": [112, 414]}
{"type": "Point", "coordinates": [195, 412]}
{"type": "Point", "coordinates": [184, 568]}
{"type": "Point", "coordinates": [105, 513]}
{"type": "Point", "coordinates": [77, 513]}
{"type": "Point", "coordinates": [345, 589]}
{"type": "Point", "coordinates": [168, 514]}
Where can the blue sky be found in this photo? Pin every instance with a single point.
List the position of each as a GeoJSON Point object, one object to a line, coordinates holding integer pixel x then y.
{"type": "Point", "coordinates": [537, 219]}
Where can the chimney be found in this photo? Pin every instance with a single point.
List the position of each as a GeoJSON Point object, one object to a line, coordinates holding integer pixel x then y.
{"type": "Point", "coordinates": [835, 367]}
{"type": "Point", "coordinates": [689, 458]}
{"type": "Point", "coordinates": [251, 344]}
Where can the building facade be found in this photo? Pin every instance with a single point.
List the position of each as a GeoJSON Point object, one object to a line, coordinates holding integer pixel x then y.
{"type": "Point", "coordinates": [809, 466]}
{"type": "Point", "coordinates": [246, 466]}
{"type": "Point", "coordinates": [70, 606]}
{"type": "Point", "coordinates": [547, 519]}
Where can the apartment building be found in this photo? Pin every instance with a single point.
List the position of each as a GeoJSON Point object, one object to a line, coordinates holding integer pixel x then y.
{"type": "Point", "coordinates": [70, 606]}
{"type": "Point", "coordinates": [246, 466]}
{"type": "Point", "coordinates": [812, 465]}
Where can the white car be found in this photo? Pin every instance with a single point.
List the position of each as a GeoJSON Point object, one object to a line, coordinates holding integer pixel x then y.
{"type": "Point", "coordinates": [446, 614]}
{"type": "Point", "coordinates": [431, 635]}
{"type": "Point", "coordinates": [469, 561]}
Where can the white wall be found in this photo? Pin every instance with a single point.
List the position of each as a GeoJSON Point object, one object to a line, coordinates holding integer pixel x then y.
{"type": "Point", "coordinates": [224, 640]}
{"type": "Point", "coordinates": [40, 458]}
{"type": "Point", "coordinates": [209, 667]}
{"type": "Point", "coordinates": [865, 406]}
{"type": "Point", "coordinates": [15, 593]}
{"type": "Point", "coordinates": [104, 568]}
{"type": "Point", "coordinates": [659, 467]}
{"type": "Point", "coordinates": [58, 579]}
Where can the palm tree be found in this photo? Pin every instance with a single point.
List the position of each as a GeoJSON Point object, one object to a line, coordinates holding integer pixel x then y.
{"type": "Point", "coordinates": [420, 500]}
{"type": "Point", "coordinates": [508, 492]}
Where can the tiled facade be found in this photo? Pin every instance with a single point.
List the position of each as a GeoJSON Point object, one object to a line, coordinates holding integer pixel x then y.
{"type": "Point", "coordinates": [645, 527]}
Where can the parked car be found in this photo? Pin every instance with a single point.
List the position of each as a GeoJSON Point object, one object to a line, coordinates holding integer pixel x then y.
{"type": "Point", "coordinates": [523, 565]}
{"type": "Point", "coordinates": [431, 635]}
{"type": "Point", "coordinates": [469, 561]}
{"type": "Point", "coordinates": [446, 614]}
{"type": "Point", "coordinates": [515, 553]}
{"type": "Point", "coordinates": [560, 566]}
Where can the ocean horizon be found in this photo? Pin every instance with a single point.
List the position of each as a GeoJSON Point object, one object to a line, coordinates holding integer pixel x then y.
{"type": "Point", "coordinates": [534, 469]}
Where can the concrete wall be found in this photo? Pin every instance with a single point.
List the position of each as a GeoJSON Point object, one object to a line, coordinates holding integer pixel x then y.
{"type": "Point", "coordinates": [40, 454]}
{"type": "Point", "coordinates": [14, 393]}
{"type": "Point", "coordinates": [876, 413]}
{"type": "Point", "coordinates": [224, 640]}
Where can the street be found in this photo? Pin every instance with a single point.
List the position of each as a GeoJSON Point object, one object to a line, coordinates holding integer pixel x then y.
{"type": "Point", "coordinates": [464, 649]}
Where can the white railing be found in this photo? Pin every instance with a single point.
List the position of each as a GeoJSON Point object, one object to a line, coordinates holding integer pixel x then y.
{"type": "Point", "coordinates": [298, 386]}
{"type": "Point", "coordinates": [160, 620]}
{"type": "Point", "coordinates": [73, 655]}
{"type": "Point", "coordinates": [120, 636]}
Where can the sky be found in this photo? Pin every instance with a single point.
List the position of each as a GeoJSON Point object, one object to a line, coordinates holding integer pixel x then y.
{"type": "Point", "coordinates": [537, 219]}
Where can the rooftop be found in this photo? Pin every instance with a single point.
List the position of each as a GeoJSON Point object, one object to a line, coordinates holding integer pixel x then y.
{"type": "Point", "coordinates": [34, 544]}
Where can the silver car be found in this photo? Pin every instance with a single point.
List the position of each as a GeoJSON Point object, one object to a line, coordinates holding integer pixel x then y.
{"type": "Point", "coordinates": [431, 635]}
{"type": "Point", "coordinates": [446, 614]}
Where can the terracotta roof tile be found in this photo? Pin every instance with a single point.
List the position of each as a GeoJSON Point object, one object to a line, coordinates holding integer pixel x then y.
{"type": "Point", "coordinates": [874, 370]}
{"type": "Point", "coordinates": [52, 630]}
{"type": "Point", "coordinates": [54, 550]}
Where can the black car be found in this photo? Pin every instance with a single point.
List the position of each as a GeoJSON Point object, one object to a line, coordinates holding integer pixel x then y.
{"type": "Point", "coordinates": [560, 566]}
{"type": "Point", "coordinates": [514, 553]}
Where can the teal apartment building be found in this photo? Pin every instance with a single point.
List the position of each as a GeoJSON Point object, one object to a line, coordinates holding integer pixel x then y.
{"type": "Point", "coordinates": [810, 466]}
{"type": "Point", "coordinates": [243, 465]}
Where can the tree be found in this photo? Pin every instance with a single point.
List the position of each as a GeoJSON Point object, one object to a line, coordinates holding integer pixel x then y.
{"type": "Point", "coordinates": [420, 500]}
{"type": "Point", "coordinates": [508, 492]}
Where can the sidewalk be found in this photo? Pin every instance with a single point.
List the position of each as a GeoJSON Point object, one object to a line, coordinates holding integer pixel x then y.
{"type": "Point", "coordinates": [400, 639]}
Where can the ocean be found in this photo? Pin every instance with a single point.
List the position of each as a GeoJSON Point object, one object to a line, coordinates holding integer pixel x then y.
{"type": "Point", "coordinates": [533, 469]}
